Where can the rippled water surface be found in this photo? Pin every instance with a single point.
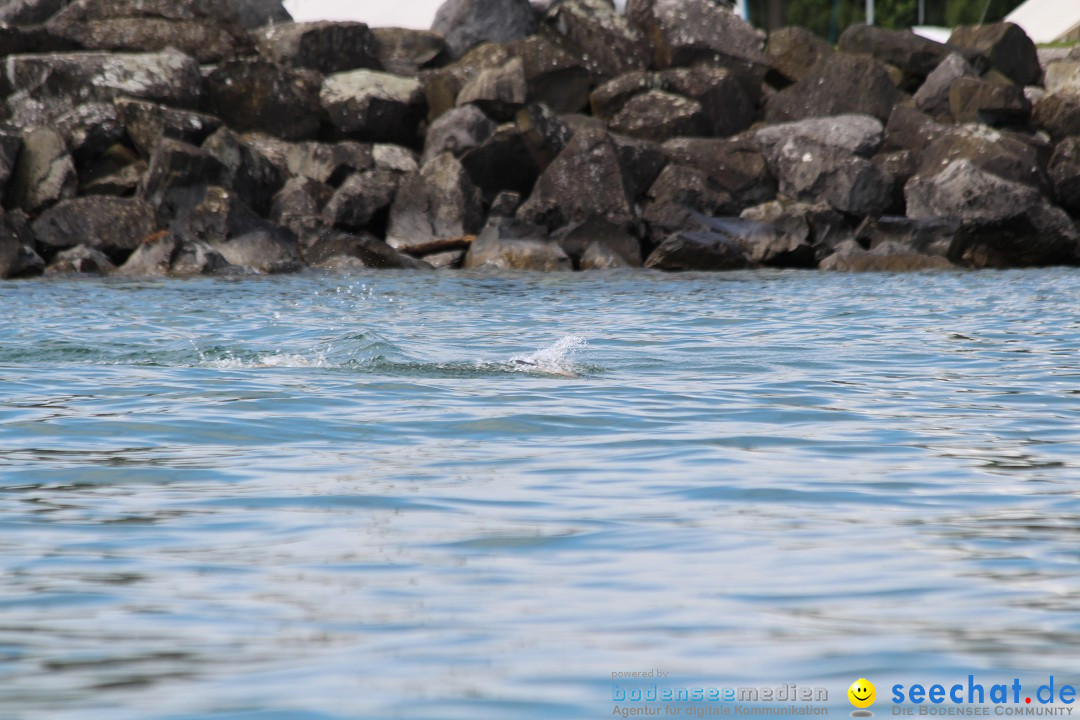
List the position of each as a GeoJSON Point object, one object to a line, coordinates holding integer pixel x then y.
{"type": "Point", "coordinates": [455, 496]}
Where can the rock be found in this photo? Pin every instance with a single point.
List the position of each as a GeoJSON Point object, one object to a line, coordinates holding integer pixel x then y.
{"type": "Point", "coordinates": [584, 181]}
{"type": "Point", "coordinates": [1010, 156]}
{"type": "Point", "coordinates": [89, 130]}
{"type": "Point", "coordinates": [394, 157]}
{"type": "Point", "coordinates": [329, 47]}
{"type": "Point", "coordinates": [198, 258]}
{"type": "Point", "coordinates": [1006, 46]}
{"type": "Point", "coordinates": [457, 131]}
{"type": "Point", "coordinates": [1063, 78]}
{"type": "Point", "coordinates": [44, 172]}
{"type": "Point", "coordinates": [606, 242]}
{"type": "Point", "coordinates": [374, 106]}
{"type": "Point", "coordinates": [261, 251]}
{"type": "Point", "coordinates": [405, 52]}
{"type": "Point", "coordinates": [812, 172]}
{"type": "Point", "coordinates": [1065, 174]}
{"type": "Point", "coordinates": [839, 84]}
{"type": "Point", "coordinates": [252, 14]}
{"type": "Point", "coordinates": [146, 123]}
{"type": "Point", "coordinates": [1003, 223]}
{"type": "Point", "coordinates": [248, 172]}
{"type": "Point", "coordinates": [910, 129]}
{"type": "Point", "coordinates": [114, 226]}
{"type": "Point", "coordinates": [734, 166]}
{"type": "Point", "coordinates": [608, 99]}
{"type": "Point", "coordinates": [641, 162]}
{"type": "Point", "coordinates": [545, 134]}
{"type": "Point", "coordinates": [17, 256]}
{"type": "Point", "coordinates": [505, 204]}
{"type": "Point", "coordinates": [47, 86]}
{"type": "Point", "coordinates": [507, 244]}
{"type": "Point", "coordinates": [259, 96]}
{"type": "Point", "coordinates": [437, 203]}
{"type": "Point", "coordinates": [153, 257]}
{"type": "Point", "coordinates": [327, 250]}
{"type": "Point", "coordinates": [792, 51]}
{"type": "Point", "coordinates": [80, 260]}
{"type": "Point", "coordinates": [364, 199]}
{"type": "Point", "coordinates": [467, 23]}
{"type": "Point", "coordinates": [887, 257]}
{"type": "Point", "coordinates": [601, 257]}
{"type": "Point", "coordinates": [178, 177]}
{"type": "Point", "coordinates": [499, 92]}
{"type": "Point", "coordinates": [914, 55]}
{"type": "Point", "coordinates": [657, 115]}
{"type": "Point", "coordinates": [609, 45]}
{"type": "Point", "coordinates": [206, 42]}
{"type": "Point", "coordinates": [220, 216]}
{"type": "Point", "coordinates": [680, 195]}
{"type": "Point", "coordinates": [117, 172]}
{"type": "Point", "coordinates": [764, 243]}
{"type": "Point", "coordinates": [933, 95]}
{"type": "Point", "coordinates": [726, 109]}
{"type": "Point", "coordinates": [449, 260]}
{"type": "Point", "coordinates": [925, 236]}
{"type": "Point", "coordinates": [30, 12]}
{"type": "Point", "coordinates": [298, 206]}
{"type": "Point", "coordinates": [683, 32]}
{"type": "Point", "coordinates": [900, 165]}
{"type": "Point", "coordinates": [10, 146]}
{"type": "Point", "coordinates": [698, 250]}
{"type": "Point", "coordinates": [974, 100]}
{"type": "Point", "coordinates": [854, 134]}
{"type": "Point", "coordinates": [817, 225]}
{"type": "Point", "coordinates": [329, 163]}
{"type": "Point", "coordinates": [1058, 115]}
{"type": "Point", "coordinates": [502, 162]}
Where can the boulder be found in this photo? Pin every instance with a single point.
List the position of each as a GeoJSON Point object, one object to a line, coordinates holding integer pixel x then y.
{"type": "Point", "coordinates": [817, 225]}
{"type": "Point", "coordinates": [298, 206]}
{"type": "Point", "coordinates": [683, 32]}
{"type": "Point", "coordinates": [503, 162]}
{"type": "Point", "coordinates": [812, 172]}
{"type": "Point", "coordinates": [1006, 46]}
{"type": "Point", "coordinates": [914, 55]}
{"type": "Point", "coordinates": [910, 129]}
{"type": "Point", "coordinates": [259, 96]}
{"type": "Point", "coordinates": [975, 100]}
{"type": "Point", "coordinates": [204, 41]}
{"type": "Point", "coordinates": [1003, 223]}
{"type": "Point", "coordinates": [329, 163]}
{"type": "Point", "coordinates": [253, 14]}
{"type": "Point", "coordinates": [1063, 78]}
{"type": "Point", "coordinates": [764, 243]}
{"type": "Point", "coordinates": [735, 166]}
{"type": "Point", "coordinates": [608, 44]}
{"type": "Point", "coordinates": [698, 250]}
{"type": "Point", "coordinates": [363, 200]}
{"type": "Point", "coordinates": [792, 51]}
{"type": "Point", "coordinates": [1008, 155]}
{"type": "Point", "coordinates": [329, 47]}
{"type": "Point", "coordinates": [247, 171]}
{"type": "Point", "coordinates": [679, 196]}
{"type": "Point", "coordinates": [153, 257]}
{"type": "Point", "coordinates": [901, 165]}
{"type": "Point", "coordinates": [545, 134]}
{"type": "Point", "coordinates": [262, 252]}
{"type": "Point", "coordinates": [146, 123]}
{"type": "Point", "coordinates": [405, 52]}
{"type": "Point", "coordinates": [657, 115]}
{"type": "Point", "coordinates": [641, 162]}
{"type": "Point", "coordinates": [80, 260]}
{"type": "Point", "coordinates": [330, 248]}
{"type": "Point", "coordinates": [508, 244]}
{"type": "Point", "coordinates": [394, 157]}
{"type": "Point", "coordinates": [925, 236]}
{"type": "Point", "coordinates": [1065, 174]}
{"type": "Point", "coordinates": [30, 12]}
{"type": "Point", "coordinates": [89, 130]}
{"type": "Point", "coordinates": [838, 84]}
{"type": "Point", "coordinates": [198, 258]}
{"type": "Point", "coordinates": [1058, 115]}
{"type": "Point", "coordinates": [47, 86]}
{"type": "Point", "coordinates": [886, 257]}
{"type": "Point", "coordinates": [17, 256]}
{"type": "Point", "coordinates": [854, 134]}
{"type": "Point", "coordinates": [114, 226]}
{"type": "Point", "coordinates": [584, 181]}
{"type": "Point", "coordinates": [44, 173]}
{"type": "Point", "coordinates": [118, 171]}
{"type": "Point", "coordinates": [374, 106]}
{"type": "Point", "coordinates": [467, 23]}
{"type": "Point", "coordinates": [606, 242]}
{"type": "Point", "coordinates": [438, 203]}
{"type": "Point", "coordinates": [220, 216]}
{"type": "Point", "coordinates": [932, 97]}
{"type": "Point", "coordinates": [178, 177]}
{"type": "Point", "coordinates": [725, 107]}
{"type": "Point", "coordinates": [499, 92]}
{"type": "Point", "coordinates": [457, 131]}
{"type": "Point", "coordinates": [602, 257]}
{"type": "Point", "coordinates": [609, 98]}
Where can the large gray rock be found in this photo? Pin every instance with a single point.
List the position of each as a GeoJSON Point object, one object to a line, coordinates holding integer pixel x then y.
{"type": "Point", "coordinates": [262, 252]}
{"type": "Point", "coordinates": [252, 14]}
{"type": "Point", "coordinates": [457, 131]}
{"type": "Point", "coordinates": [914, 55]}
{"type": "Point", "coordinates": [812, 172]}
{"type": "Point", "coordinates": [146, 123]}
{"type": "Point", "coordinates": [30, 12]}
{"type": "Point", "coordinates": [165, 254]}
{"type": "Point", "coordinates": [606, 245]}
{"type": "Point", "coordinates": [641, 161]}
{"type": "Point", "coordinates": [17, 256]}
{"type": "Point", "coordinates": [679, 196]}
{"type": "Point", "coordinates": [89, 130]}
{"type": "Point", "coordinates": [503, 162]}
{"type": "Point", "coordinates": [698, 250]}
{"type": "Point", "coordinates": [855, 134]}
{"type": "Point", "coordinates": [792, 51]}
{"type": "Point", "coordinates": [925, 236]}
{"type": "Point", "coordinates": [220, 216]}
{"type": "Point", "coordinates": [205, 41]}
{"type": "Point", "coordinates": [248, 172]}
{"type": "Point", "coordinates": [178, 177]}
{"type": "Point", "coordinates": [658, 116]}
{"type": "Point", "coordinates": [329, 163]}
{"type": "Point", "coordinates": [725, 107]}
{"type": "Point", "coordinates": [298, 206]}
{"type": "Point", "coordinates": [114, 226]}
{"type": "Point", "coordinates": [467, 23]}
{"type": "Point", "coordinates": [46, 86]}
{"type": "Point", "coordinates": [1063, 78]}
{"type": "Point", "coordinates": [584, 181]}
{"type": "Point", "coordinates": [991, 103]}
{"type": "Point", "coordinates": [1058, 115]}
{"type": "Point", "coordinates": [816, 225]}
{"type": "Point", "coordinates": [80, 260]}
{"type": "Point", "coordinates": [374, 106]}
{"type": "Point", "coordinates": [1065, 174]}
{"type": "Point", "coordinates": [734, 166]}
{"type": "Point", "coordinates": [838, 84]}
{"type": "Point", "coordinates": [339, 250]}
{"type": "Point", "coordinates": [507, 244]}
{"type": "Point", "coordinates": [118, 172]}
{"type": "Point", "coordinates": [44, 173]}
{"type": "Point", "coordinates": [329, 47]}
{"type": "Point", "coordinates": [1008, 155]}
{"type": "Point", "coordinates": [609, 45]}
{"type": "Point", "coordinates": [405, 52]}
{"type": "Point", "coordinates": [886, 257]}
{"type": "Point", "coordinates": [260, 96]}
{"type": "Point", "coordinates": [438, 203]}
{"type": "Point", "coordinates": [1003, 223]}
{"type": "Point", "coordinates": [364, 197]}
{"type": "Point", "coordinates": [499, 92]}
{"type": "Point", "coordinates": [609, 98]}
{"type": "Point", "coordinates": [764, 243]}
{"type": "Point", "coordinates": [933, 95]}
{"type": "Point", "coordinates": [1006, 46]}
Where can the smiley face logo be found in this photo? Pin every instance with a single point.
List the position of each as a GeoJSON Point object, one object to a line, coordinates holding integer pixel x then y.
{"type": "Point", "coordinates": [862, 693]}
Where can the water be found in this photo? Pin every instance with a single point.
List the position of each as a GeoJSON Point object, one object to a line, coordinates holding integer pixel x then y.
{"type": "Point", "coordinates": [466, 496]}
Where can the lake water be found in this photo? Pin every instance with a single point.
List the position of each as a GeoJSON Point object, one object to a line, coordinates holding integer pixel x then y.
{"type": "Point", "coordinates": [467, 496]}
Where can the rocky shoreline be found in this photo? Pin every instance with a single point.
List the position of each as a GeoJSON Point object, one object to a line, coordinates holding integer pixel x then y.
{"type": "Point", "coordinates": [158, 137]}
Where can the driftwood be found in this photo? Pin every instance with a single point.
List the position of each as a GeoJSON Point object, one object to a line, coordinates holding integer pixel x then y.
{"type": "Point", "coordinates": [442, 245]}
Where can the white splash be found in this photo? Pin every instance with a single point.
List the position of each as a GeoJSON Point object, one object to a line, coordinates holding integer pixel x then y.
{"type": "Point", "coordinates": [555, 359]}
{"type": "Point", "coordinates": [274, 360]}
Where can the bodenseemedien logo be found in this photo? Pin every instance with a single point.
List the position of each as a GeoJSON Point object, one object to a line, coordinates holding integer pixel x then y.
{"type": "Point", "coordinates": [862, 694]}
